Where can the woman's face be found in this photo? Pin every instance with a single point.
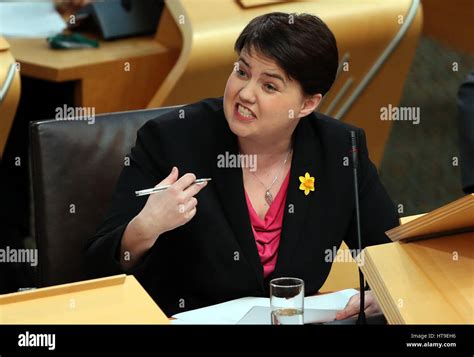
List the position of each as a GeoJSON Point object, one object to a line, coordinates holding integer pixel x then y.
{"type": "Point", "coordinates": [261, 102]}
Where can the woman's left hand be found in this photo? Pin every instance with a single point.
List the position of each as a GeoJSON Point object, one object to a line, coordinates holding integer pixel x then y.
{"type": "Point", "coordinates": [352, 307]}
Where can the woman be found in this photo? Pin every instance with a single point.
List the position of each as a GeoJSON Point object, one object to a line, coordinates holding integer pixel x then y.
{"type": "Point", "coordinates": [281, 194]}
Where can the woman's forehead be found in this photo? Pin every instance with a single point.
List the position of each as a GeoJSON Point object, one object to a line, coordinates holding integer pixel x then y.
{"type": "Point", "coordinates": [255, 57]}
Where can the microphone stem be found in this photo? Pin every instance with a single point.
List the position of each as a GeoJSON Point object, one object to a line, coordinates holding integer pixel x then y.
{"type": "Point", "coordinates": [361, 319]}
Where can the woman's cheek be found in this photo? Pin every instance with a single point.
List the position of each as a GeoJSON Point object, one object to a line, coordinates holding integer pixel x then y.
{"type": "Point", "coordinates": [229, 87]}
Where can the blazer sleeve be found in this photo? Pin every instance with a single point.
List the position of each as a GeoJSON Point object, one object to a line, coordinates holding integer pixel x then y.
{"type": "Point", "coordinates": [377, 211]}
{"type": "Point", "coordinates": [101, 251]}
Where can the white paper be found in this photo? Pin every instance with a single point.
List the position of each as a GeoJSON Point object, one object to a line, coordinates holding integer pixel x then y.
{"type": "Point", "coordinates": [261, 315]}
{"type": "Point", "coordinates": [29, 19]}
{"type": "Point", "coordinates": [226, 313]}
{"type": "Point", "coordinates": [231, 312]}
{"type": "Point", "coordinates": [333, 301]}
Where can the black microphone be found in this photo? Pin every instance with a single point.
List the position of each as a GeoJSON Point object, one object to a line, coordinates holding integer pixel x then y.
{"type": "Point", "coordinates": [355, 162]}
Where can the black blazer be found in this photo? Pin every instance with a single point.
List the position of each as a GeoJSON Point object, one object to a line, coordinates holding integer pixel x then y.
{"type": "Point", "coordinates": [213, 258]}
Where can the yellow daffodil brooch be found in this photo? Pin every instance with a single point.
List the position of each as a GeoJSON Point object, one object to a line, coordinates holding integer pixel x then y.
{"type": "Point", "coordinates": [307, 183]}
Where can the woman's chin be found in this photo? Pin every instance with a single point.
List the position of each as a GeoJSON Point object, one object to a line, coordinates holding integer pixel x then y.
{"type": "Point", "coordinates": [238, 129]}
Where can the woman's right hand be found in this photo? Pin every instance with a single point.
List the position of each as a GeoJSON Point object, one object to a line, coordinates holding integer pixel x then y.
{"type": "Point", "coordinates": [172, 207]}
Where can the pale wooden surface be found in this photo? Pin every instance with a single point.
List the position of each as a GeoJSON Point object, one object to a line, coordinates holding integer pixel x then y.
{"type": "Point", "coordinates": [424, 282]}
{"type": "Point", "coordinates": [343, 274]}
{"type": "Point", "coordinates": [251, 3]}
{"type": "Point", "coordinates": [404, 220]}
{"type": "Point", "coordinates": [41, 62]}
{"type": "Point", "coordinates": [114, 300]}
{"type": "Point", "coordinates": [449, 218]}
{"type": "Point", "coordinates": [119, 75]}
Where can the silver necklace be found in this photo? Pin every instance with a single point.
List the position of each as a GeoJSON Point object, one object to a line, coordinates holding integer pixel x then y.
{"type": "Point", "coordinates": [268, 194]}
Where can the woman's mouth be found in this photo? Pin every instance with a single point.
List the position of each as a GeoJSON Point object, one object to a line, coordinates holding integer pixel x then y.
{"type": "Point", "coordinates": [243, 113]}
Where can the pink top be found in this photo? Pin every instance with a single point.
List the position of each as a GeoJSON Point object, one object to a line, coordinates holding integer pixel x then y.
{"type": "Point", "coordinates": [267, 231]}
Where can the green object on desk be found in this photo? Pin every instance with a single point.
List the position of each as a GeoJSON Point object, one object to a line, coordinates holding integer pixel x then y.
{"type": "Point", "coordinates": [71, 41]}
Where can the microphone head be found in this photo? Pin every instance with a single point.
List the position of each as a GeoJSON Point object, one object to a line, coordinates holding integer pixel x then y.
{"type": "Point", "coordinates": [353, 139]}
{"type": "Point", "coordinates": [354, 147]}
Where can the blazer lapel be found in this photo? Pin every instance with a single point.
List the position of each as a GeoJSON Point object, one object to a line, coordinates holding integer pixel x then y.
{"type": "Point", "coordinates": [230, 188]}
{"type": "Point", "coordinates": [307, 157]}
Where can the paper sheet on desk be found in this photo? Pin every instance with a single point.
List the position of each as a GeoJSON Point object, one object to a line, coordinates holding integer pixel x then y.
{"type": "Point", "coordinates": [30, 19]}
{"type": "Point", "coordinates": [261, 315]}
{"type": "Point", "coordinates": [231, 312]}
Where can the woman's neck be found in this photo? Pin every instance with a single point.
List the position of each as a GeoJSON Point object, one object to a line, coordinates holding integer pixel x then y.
{"type": "Point", "coordinates": [268, 154]}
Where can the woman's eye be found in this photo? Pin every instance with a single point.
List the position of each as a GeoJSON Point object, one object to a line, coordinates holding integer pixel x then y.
{"type": "Point", "coordinates": [270, 87]}
{"type": "Point", "coordinates": [240, 72]}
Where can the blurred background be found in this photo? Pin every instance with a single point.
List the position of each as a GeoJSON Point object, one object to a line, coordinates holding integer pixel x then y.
{"type": "Point", "coordinates": [114, 56]}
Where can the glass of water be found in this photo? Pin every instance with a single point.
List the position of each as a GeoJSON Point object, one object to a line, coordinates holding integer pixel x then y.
{"type": "Point", "coordinates": [287, 301]}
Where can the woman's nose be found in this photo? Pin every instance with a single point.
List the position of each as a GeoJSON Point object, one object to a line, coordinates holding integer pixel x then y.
{"type": "Point", "coordinates": [247, 93]}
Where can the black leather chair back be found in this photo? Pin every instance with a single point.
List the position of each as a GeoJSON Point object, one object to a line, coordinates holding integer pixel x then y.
{"type": "Point", "coordinates": [74, 169]}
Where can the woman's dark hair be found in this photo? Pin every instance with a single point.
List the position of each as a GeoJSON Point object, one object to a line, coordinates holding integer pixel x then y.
{"type": "Point", "coordinates": [302, 45]}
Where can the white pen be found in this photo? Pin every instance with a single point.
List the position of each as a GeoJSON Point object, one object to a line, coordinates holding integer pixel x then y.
{"type": "Point", "coordinates": [149, 191]}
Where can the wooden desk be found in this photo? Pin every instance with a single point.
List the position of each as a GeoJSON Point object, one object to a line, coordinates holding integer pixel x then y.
{"type": "Point", "coordinates": [119, 75]}
{"type": "Point", "coordinates": [428, 281]}
{"type": "Point", "coordinates": [116, 299]}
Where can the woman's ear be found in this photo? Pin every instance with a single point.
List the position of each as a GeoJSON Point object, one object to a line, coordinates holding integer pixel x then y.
{"type": "Point", "coordinates": [310, 104]}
